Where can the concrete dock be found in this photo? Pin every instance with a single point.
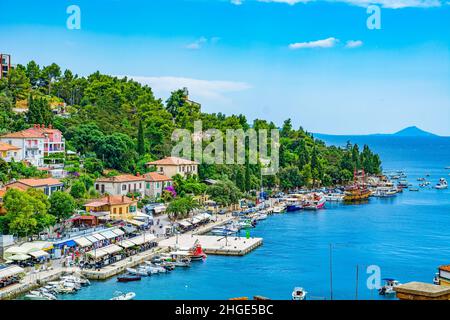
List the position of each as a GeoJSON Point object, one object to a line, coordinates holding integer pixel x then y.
{"type": "Point", "coordinates": [232, 245]}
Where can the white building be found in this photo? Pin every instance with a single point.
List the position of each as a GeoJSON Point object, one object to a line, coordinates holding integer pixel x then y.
{"type": "Point", "coordinates": [121, 185]}
{"type": "Point", "coordinates": [35, 143]}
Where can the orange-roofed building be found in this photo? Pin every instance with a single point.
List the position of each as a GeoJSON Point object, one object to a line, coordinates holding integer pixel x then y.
{"type": "Point", "coordinates": [36, 142]}
{"type": "Point", "coordinates": [121, 184]}
{"type": "Point", "coordinates": [118, 207]}
{"type": "Point", "coordinates": [155, 183]}
{"type": "Point", "coordinates": [171, 166]}
{"type": "Point", "coordinates": [47, 185]}
{"type": "Point", "coordinates": [9, 152]}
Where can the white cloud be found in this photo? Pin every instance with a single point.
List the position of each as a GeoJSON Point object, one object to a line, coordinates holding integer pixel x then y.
{"type": "Point", "coordinates": [389, 4]}
{"type": "Point", "coordinates": [325, 43]}
{"type": "Point", "coordinates": [202, 89]}
{"type": "Point", "coordinates": [198, 44]}
{"type": "Point", "coordinates": [353, 44]}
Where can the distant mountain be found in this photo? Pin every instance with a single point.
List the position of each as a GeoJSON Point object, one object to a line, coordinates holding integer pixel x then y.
{"type": "Point", "coordinates": [414, 132]}
{"type": "Point", "coordinates": [407, 132]}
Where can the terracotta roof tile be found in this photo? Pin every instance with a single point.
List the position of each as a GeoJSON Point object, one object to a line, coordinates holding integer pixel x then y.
{"type": "Point", "coordinates": [154, 176]}
{"type": "Point", "coordinates": [172, 161]}
{"type": "Point", "coordinates": [121, 178]}
{"type": "Point", "coordinates": [7, 147]}
{"type": "Point", "coordinates": [111, 200]}
{"type": "Point", "coordinates": [39, 182]}
{"type": "Point", "coordinates": [31, 133]}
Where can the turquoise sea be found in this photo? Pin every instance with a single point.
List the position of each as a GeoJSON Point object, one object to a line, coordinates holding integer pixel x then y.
{"type": "Point", "coordinates": [408, 237]}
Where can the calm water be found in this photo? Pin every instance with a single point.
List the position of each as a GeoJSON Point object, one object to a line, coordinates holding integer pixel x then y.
{"type": "Point", "coordinates": [407, 237]}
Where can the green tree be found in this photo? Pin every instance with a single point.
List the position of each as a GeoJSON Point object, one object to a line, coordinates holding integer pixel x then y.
{"type": "Point", "coordinates": [78, 190]}
{"type": "Point", "coordinates": [140, 140]}
{"type": "Point", "coordinates": [93, 166]}
{"type": "Point", "coordinates": [224, 193]}
{"type": "Point", "coordinates": [62, 205]}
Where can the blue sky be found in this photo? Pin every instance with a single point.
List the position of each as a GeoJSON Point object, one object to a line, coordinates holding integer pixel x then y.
{"type": "Point", "coordinates": [269, 59]}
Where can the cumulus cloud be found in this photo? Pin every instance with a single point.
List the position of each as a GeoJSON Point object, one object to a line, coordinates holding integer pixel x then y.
{"type": "Point", "coordinates": [203, 89]}
{"type": "Point", "coordinates": [325, 43]}
{"type": "Point", "coordinates": [353, 44]}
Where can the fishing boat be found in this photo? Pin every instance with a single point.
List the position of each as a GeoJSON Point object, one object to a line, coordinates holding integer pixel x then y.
{"type": "Point", "coordinates": [442, 184]}
{"type": "Point", "coordinates": [182, 262]}
{"type": "Point", "coordinates": [315, 203]}
{"type": "Point", "coordinates": [294, 206]}
{"type": "Point", "coordinates": [299, 294]}
{"type": "Point", "coordinates": [196, 252]}
{"type": "Point", "coordinates": [403, 184]}
{"type": "Point", "coordinates": [124, 296]}
{"type": "Point", "coordinates": [388, 288]}
{"type": "Point", "coordinates": [128, 278]}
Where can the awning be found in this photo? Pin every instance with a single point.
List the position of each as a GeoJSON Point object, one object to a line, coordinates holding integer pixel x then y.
{"type": "Point", "coordinates": [19, 257]}
{"type": "Point", "coordinates": [96, 254]}
{"type": "Point", "coordinates": [184, 223]}
{"type": "Point", "coordinates": [148, 237]}
{"type": "Point", "coordinates": [68, 243]}
{"type": "Point", "coordinates": [98, 236]}
{"type": "Point", "coordinates": [118, 232]}
{"type": "Point", "coordinates": [108, 234]}
{"type": "Point", "coordinates": [10, 271]}
{"type": "Point", "coordinates": [129, 229]}
{"type": "Point", "coordinates": [92, 239]}
{"type": "Point", "coordinates": [125, 244]}
{"type": "Point", "coordinates": [112, 248]}
{"type": "Point", "coordinates": [136, 222]}
{"type": "Point", "coordinates": [83, 242]}
{"type": "Point", "coordinates": [39, 254]}
{"type": "Point", "coordinates": [37, 245]}
{"type": "Point", "coordinates": [16, 250]}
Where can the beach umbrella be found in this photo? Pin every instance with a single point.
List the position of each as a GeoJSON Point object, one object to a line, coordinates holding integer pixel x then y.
{"type": "Point", "coordinates": [19, 257]}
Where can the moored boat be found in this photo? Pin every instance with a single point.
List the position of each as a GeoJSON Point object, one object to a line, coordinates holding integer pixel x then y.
{"type": "Point", "coordinates": [299, 294]}
{"type": "Point", "coordinates": [315, 203]}
{"type": "Point", "coordinates": [388, 288]}
{"type": "Point", "coordinates": [442, 184]}
{"type": "Point", "coordinates": [128, 278]}
{"type": "Point", "coordinates": [124, 296]}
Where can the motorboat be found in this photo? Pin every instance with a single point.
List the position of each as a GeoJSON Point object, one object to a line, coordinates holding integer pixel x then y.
{"type": "Point", "coordinates": [128, 278]}
{"type": "Point", "coordinates": [436, 280]}
{"type": "Point", "coordinates": [315, 203]}
{"type": "Point", "coordinates": [78, 280]}
{"type": "Point", "coordinates": [414, 189]}
{"type": "Point", "coordinates": [183, 262]}
{"type": "Point", "coordinates": [279, 208]}
{"type": "Point", "coordinates": [224, 230]}
{"type": "Point", "coordinates": [384, 192]}
{"type": "Point", "coordinates": [39, 295]}
{"type": "Point", "coordinates": [261, 216]}
{"type": "Point", "coordinates": [442, 184]}
{"type": "Point", "coordinates": [334, 197]}
{"type": "Point", "coordinates": [388, 288]}
{"type": "Point", "coordinates": [155, 268]}
{"type": "Point", "coordinates": [124, 296]}
{"type": "Point", "coordinates": [299, 294]}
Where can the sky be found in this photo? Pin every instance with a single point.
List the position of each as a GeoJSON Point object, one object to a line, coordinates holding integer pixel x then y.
{"type": "Point", "coordinates": [314, 61]}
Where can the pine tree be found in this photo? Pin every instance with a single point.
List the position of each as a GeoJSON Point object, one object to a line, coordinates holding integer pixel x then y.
{"type": "Point", "coordinates": [140, 140]}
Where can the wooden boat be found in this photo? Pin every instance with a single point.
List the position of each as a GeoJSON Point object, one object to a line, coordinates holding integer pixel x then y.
{"type": "Point", "coordinates": [355, 194]}
{"type": "Point", "coordinates": [128, 278]}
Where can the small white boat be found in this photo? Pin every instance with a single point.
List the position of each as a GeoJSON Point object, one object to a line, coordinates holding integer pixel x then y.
{"type": "Point", "coordinates": [334, 197]}
{"type": "Point", "coordinates": [442, 184]}
{"type": "Point", "coordinates": [388, 288]}
{"type": "Point", "coordinates": [124, 296]}
{"type": "Point", "coordinates": [261, 216]}
{"type": "Point", "coordinates": [299, 294]}
{"type": "Point", "coordinates": [279, 209]}
{"type": "Point", "coordinates": [40, 295]}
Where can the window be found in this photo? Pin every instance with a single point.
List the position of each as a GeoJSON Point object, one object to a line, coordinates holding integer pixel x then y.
{"type": "Point", "coordinates": [114, 210]}
{"type": "Point", "coordinates": [140, 185]}
{"type": "Point", "coordinates": [157, 184]}
{"type": "Point", "coordinates": [148, 185]}
{"type": "Point", "coordinates": [120, 210]}
{"type": "Point", "coordinates": [124, 187]}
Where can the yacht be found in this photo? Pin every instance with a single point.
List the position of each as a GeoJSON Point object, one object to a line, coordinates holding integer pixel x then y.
{"type": "Point", "coordinates": [315, 203]}
{"type": "Point", "coordinates": [442, 184]}
{"type": "Point", "coordinates": [279, 208]}
{"type": "Point", "coordinates": [299, 294]}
